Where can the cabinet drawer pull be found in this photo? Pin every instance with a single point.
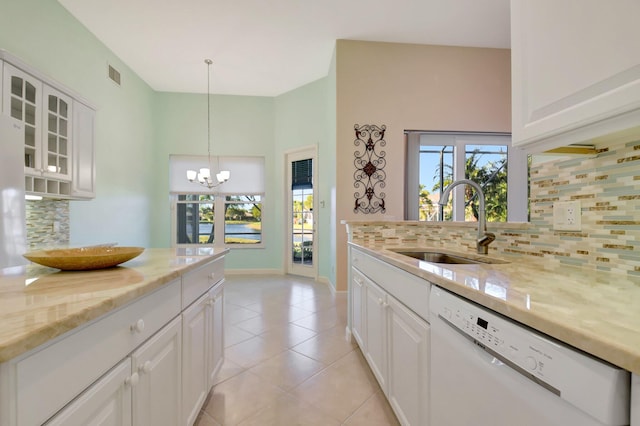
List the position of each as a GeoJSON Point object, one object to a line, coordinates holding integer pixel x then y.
{"type": "Point", "coordinates": [212, 276]}
{"type": "Point", "coordinates": [132, 380]}
{"type": "Point", "coordinates": [138, 327]}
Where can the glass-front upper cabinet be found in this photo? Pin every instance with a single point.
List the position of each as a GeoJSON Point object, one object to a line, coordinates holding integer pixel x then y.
{"type": "Point", "coordinates": [56, 142]}
{"type": "Point", "coordinates": [45, 113]}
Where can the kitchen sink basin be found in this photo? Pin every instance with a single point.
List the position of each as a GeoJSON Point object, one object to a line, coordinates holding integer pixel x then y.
{"type": "Point", "coordinates": [440, 257]}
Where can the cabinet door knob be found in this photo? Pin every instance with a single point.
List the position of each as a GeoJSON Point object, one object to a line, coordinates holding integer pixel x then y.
{"type": "Point", "coordinates": [212, 275]}
{"type": "Point", "coordinates": [146, 367]}
{"type": "Point", "coordinates": [132, 380]}
{"type": "Point", "coordinates": [138, 327]}
{"type": "Point", "coordinates": [380, 301]}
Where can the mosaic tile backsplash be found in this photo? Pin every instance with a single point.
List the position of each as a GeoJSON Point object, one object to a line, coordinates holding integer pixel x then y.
{"type": "Point", "coordinates": [608, 188]}
{"type": "Point", "coordinates": [47, 223]}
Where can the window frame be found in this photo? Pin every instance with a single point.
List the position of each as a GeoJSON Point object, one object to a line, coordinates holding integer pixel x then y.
{"type": "Point", "coordinates": [219, 201]}
{"type": "Point", "coordinates": [517, 170]}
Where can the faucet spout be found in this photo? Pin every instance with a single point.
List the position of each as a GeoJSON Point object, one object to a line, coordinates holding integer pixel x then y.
{"type": "Point", "coordinates": [484, 238]}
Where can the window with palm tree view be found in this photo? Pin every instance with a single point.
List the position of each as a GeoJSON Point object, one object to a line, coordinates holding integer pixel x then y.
{"type": "Point", "coordinates": [444, 158]}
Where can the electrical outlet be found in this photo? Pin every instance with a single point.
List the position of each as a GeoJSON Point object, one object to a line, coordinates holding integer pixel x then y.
{"type": "Point", "coordinates": [567, 216]}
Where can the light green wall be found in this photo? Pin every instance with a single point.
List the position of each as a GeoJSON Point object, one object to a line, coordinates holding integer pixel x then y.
{"type": "Point", "coordinates": [137, 129]}
{"type": "Point", "coordinates": [44, 35]}
{"type": "Point", "coordinates": [240, 125]}
{"type": "Point", "coordinates": [303, 118]}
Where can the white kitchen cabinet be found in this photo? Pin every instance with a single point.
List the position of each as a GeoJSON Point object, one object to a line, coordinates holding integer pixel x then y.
{"type": "Point", "coordinates": [357, 301]}
{"type": "Point", "coordinates": [83, 179]}
{"type": "Point", "coordinates": [59, 155]}
{"type": "Point", "coordinates": [408, 343]}
{"type": "Point", "coordinates": [128, 366]}
{"type": "Point", "coordinates": [202, 335]}
{"type": "Point", "coordinates": [376, 324]}
{"type": "Point", "coordinates": [158, 363]}
{"type": "Point", "coordinates": [395, 339]}
{"type": "Point", "coordinates": [575, 71]}
{"type": "Point", "coordinates": [105, 403]}
{"type": "Point", "coordinates": [215, 351]}
{"type": "Point", "coordinates": [194, 359]}
{"type": "Point", "coordinates": [23, 101]}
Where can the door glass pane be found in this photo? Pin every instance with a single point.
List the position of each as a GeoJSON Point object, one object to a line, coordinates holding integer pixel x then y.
{"type": "Point", "coordinates": [30, 92]}
{"type": "Point", "coordinates": [16, 86]}
{"type": "Point", "coordinates": [302, 232]}
{"type": "Point", "coordinates": [53, 143]}
{"type": "Point", "coordinates": [63, 109]}
{"type": "Point", "coordinates": [29, 136]}
{"type": "Point", "coordinates": [16, 108]}
{"type": "Point", "coordinates": [30, 114]}
{"type": "Point", "coordinates": [53, 104]}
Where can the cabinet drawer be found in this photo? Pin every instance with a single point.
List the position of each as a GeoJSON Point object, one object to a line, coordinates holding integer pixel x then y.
{"type": "Point", "coordinates": [51, 377]}
{"type": "Point", "coordinates": [195, 283]}
{"type": "Point", "coordinates": [409, 289]}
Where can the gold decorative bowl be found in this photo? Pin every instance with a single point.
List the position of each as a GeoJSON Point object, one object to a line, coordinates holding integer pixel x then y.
{"type": "Point", "coordinates": [84, 258]}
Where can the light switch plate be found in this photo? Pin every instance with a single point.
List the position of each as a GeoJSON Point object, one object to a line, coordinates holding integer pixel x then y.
{"type": "Point", "coordinates": [567, 216]}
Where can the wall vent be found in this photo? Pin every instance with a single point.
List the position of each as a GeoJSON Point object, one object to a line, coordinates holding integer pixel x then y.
{"type": "Point", "coordinates": [114, 75]}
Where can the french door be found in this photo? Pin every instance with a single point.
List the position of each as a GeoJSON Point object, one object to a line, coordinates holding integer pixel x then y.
{"type": "Point", "coordinates": [301, 246]}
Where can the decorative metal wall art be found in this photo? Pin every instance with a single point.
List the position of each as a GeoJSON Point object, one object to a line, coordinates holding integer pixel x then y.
{"type": "Point", "coordinates": [369, 175]}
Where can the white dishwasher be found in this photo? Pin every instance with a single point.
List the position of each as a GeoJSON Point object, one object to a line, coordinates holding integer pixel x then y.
{"type": "Point", "coordinates": [487, 370]}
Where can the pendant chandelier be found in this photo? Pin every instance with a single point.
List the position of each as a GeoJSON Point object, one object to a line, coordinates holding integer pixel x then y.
{"type": "Point", "coordinates": [203, 177]}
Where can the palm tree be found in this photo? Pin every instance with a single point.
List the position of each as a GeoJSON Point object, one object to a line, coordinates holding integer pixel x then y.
{"type": "Point", "coordinates": [492, 177]}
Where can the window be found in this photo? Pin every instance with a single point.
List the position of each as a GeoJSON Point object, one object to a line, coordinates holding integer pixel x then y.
{"type": "Point", "coordinates": [196, 219]}
{"type": "Point", "coordinates": [243, 219]}
{"type": "Point", "coordinates": [435, 160]}
{"type": "Point", "coordinates": [230, 214]}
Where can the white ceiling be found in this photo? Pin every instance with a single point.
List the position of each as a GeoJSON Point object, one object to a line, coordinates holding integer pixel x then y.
{"type": "Point", "coordinates": [268, 47]}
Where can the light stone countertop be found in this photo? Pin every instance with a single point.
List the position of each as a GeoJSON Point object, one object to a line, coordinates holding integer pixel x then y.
{"type": "Point", "coordinates": [597, 312]}
{"type": "Point", "coordinates": [38, 303]}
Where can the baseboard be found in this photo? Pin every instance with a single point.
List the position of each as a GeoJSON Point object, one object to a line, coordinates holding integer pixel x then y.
{"type": "Point", "coordinates": [253, 272]}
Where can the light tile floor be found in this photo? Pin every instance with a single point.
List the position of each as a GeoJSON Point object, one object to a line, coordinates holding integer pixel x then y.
{"type": "Point", "coordinates": [287, 361]}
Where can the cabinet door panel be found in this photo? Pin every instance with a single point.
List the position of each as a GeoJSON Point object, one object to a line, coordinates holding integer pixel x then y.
{"type": "Point", "coordinates": [84, 171]}
{"type": "Point", "coordinates": [56, 133]}
{"type": "Point", "coordinates": [194, 359]}
{"type": "Point", "coordinates": [105, 403]}
{"type": "Point", "coordinates": [575, 70]}
{"type": "Point", "coordinates": [216, 333]}
{"type": "Point", "coordinates": [376, 326]}
{"type": "Point", "coordinates": [358, 301]}
{"type": "Point", "coordinates": [408, 365]}
{"type": "Point", "coordinates": [156, 398]}
{"type": "Point", "coordinates": [22, 100]}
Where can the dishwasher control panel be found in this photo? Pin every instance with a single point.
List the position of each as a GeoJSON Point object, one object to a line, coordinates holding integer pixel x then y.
{"type": "Point", "coordinates": [572, 375]}
{"type": "Point", "coordinates": [521, 348]}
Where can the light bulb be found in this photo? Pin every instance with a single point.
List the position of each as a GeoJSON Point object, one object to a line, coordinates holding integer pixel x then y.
{"type": "Point", "coordinates": [205, 173]}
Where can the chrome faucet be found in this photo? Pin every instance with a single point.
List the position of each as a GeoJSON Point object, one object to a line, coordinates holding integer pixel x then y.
{"type": "Point", "coordinates": [484, 238]}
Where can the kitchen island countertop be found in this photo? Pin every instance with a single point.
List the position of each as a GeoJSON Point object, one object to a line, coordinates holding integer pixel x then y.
{"type": "Point", "coordinates": [596, 312]}
{"type": "Point", "coordinates": [38, 304]}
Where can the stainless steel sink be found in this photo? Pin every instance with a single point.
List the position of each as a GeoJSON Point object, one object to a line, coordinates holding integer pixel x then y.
{"type": "Point", "coordinates": [440, 257]}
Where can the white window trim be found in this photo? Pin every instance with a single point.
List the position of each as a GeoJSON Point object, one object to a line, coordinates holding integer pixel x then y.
{"type": "Point", "coordinates": [517, 191]}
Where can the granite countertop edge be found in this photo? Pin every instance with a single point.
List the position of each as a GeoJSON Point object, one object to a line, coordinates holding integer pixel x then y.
{"type": "Point", "coordinates": [574, 312]}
